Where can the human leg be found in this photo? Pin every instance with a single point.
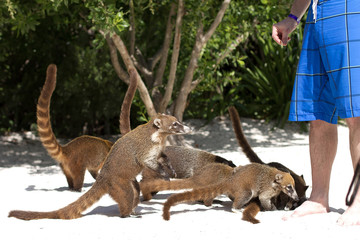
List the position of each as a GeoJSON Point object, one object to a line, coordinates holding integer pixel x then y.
{"type": "Point", "coordinates": [352, 215]}
{"type": "Point", "coordinates": [323, 145]}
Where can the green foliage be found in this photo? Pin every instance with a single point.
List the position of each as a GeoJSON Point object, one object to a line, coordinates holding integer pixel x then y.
{"type": "Point", "coordinates": [36, 33]}
{"type": "Point", "coordinates": [269, 78]}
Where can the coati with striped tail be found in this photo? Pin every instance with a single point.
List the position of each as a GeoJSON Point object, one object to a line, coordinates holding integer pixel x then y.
{"type": "Point", "coordinates": [81, 154]}
{"type": "Point", "coordinates": [282, 201]}
{"type": "Point", "coordinates": [247, 182]}
{"type": "Point", "coordinates": [127, 158]}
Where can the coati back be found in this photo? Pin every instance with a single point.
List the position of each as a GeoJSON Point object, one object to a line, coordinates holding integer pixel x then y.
{"type": "Point", "coordinates": [300, 185]}
{"type": "Point", "coordinates": [211, 173]}
{"type": "Point", "coordinates": [246, 183]}
{"type": "Point", "coordinates": [128, 156]}
{"type": "Point", "coordinates": [194, 160]}
{"type": "Point", "coordinates": [84, 152]}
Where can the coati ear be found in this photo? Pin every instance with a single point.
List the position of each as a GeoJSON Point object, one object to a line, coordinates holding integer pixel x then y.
{"type": "Point", "coordinates": [278, 178]}
{"type": "Point", "coordinates": [302, 176]}
{"type": "Point", "coordinates": [157, 122]}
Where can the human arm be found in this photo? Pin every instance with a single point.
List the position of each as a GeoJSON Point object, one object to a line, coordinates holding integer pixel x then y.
{"type": "Point", "coordinates": [281, 30]}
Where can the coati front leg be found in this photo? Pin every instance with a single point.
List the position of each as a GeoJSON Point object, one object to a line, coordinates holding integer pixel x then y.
{"type": "Point", "coordinates": [241, 198]}
{"type": "Point", "coordinates": [265, 200]}
{"type": "Point", "coordinates": [165, 164]}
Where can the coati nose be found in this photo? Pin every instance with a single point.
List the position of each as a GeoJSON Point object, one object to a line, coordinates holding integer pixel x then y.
{"type": "Point", "coordinates": [295, 196]}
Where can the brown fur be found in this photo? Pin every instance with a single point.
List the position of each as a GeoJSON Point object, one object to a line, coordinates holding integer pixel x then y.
{"type": "Point", "coordinates": [282, 200]}
{"type": "Point", "coordinates": [185, 162]}
{"type": "Point", "coordinates": [81, 154]}
{"type": "Point", "coordinates": [126, 105]}
{"type": "Point", "coordinates": [246, 183]}
{"type": "Point", "coordinates": [126, 159]}
{"type": "Point", "coordinates": [209, 174]}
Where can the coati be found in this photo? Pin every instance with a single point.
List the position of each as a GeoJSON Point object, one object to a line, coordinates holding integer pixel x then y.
{"type": "Point", "coordinates": [195, 159]}
{"type": "Point", "coordinates": [84, 152]}
{"type": "Point", "coordinates": [172, 158]}
{"type": "Point", "coordinates": [282, 201]}
{"type": "Point", "coordinates": [246, 183]}
{"type": "Point", "coordinates": [127, 158]}
{"type": "Point", "coordinates": [208, 174]}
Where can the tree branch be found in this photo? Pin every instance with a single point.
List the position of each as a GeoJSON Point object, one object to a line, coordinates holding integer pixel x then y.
{"type": "Point", "coordinates": [132, 28]}
{"type": "Point", "coordinates": [122, 74]}
{"type": "Point", "coordinates": [164, 54]}
{"type": "Point", "coordinates": [201, 40]}
{"type": "Point", "coordinates": [174, 58]}
{"type": "Point", "coordinates": [144, 94]}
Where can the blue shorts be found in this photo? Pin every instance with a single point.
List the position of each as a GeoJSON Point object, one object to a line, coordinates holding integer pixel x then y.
{"type": "Point", "coordinates": [327, 82]}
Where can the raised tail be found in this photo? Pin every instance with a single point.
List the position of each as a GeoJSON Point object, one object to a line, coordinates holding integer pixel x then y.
{"type": "Point", "coordinates": [46, 133]}
{"type": "Point", "coordinates": [71, 211]}
{"type": "Point", "coordinates": [203, 193]}
{"type": "Point", "coordinates": [126, 105]}
{"type": "Point", "coordinates": [242, 141]}
{"type": "Point", "coordinates": [149, 186]}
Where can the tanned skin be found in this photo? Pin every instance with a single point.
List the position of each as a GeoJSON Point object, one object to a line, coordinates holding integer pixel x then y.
{"type": "Point", "coordinates": [127, 158]}
{"type": "Point", "coordinates": [282, 200]}
{"type": "Point", "coordinates": [81, 154]}
{"type": "Point", "coordinates": [247, 182]}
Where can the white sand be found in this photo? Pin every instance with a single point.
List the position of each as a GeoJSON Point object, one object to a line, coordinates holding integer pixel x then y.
{"type": "Point", "coordinates": [30, 180]}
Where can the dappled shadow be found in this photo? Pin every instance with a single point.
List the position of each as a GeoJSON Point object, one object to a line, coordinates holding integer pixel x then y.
{"type": "Point", "coordinates": [219, 136]}
{"type": "Point", "coordinates": [26, 149]}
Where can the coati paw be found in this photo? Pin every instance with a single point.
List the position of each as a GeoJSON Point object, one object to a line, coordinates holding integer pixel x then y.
{"type": "Point", "coordinates": [235, 210]}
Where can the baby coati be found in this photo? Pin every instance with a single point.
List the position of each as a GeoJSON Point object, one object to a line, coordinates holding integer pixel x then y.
{"type": "Point", "coordinates": [127, 158]}
{"type": "Point", "coordinates": [84, 152]}
{"type": "Point", "coordinates": [282, 201]}
{"type": "Point", "coordinates": [247, 182]}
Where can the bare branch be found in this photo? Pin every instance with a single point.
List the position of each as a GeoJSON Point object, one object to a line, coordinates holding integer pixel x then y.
{"type": "Point", "coordinates": [217, 20]}
{"type": "Point", "coordinates": [165, 51]}
{"type": "Point", "coordinates": [123, 75]}
{"type": "Point", "coordinates": [132, 28]}
{"type": "Point", "coordinates": [144, 94]}
{"type": "Point", "coordinates": [201, 40]}
{"type": "Point", "coordinates": [174, 58]}
{"type": "Point", "coordinates": [229, 49]}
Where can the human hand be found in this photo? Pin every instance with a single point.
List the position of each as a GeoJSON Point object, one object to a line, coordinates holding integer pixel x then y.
{"type": "Point", "coordinates": [281, 31]}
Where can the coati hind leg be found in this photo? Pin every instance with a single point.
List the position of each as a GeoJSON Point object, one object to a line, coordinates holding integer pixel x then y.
{"type": "Point", "coordinates": [136, 189]}
{"type": "Point", "coordinates": [94, 173]}
{"type": "Point", "coordinates": [122, 191]}
{"type": "Point", "coordinates": [68, 176]}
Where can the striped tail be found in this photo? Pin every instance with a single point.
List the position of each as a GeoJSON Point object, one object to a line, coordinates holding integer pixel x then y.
{"type": "Point", "coordinates": [71, 211]}
{"type": "Point", "coordinates": [156, 185]}
{"type": "Point", "coordinates": [239, 133]}
{"type": "Point", "coordinates": [203, 193]}
{"type": "Point", "coordinates": [126, 105]}
{"type": "Point", "coordinates": [46, 133]}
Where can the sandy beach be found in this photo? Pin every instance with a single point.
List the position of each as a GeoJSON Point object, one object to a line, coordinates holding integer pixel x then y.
{"type": "Point", "coordinates": [31, 180]}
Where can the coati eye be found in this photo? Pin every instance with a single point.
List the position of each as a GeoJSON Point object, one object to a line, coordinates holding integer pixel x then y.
{"type": "Point", "coordinates": [289, 188]}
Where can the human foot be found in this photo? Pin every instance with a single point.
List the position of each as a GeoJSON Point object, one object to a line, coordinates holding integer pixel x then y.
{"type": "Point", "coordinates": [350, 217]}
{"type": "Point", "coordinates": [307, 208]}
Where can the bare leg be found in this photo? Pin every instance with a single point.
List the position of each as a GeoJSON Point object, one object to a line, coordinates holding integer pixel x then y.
{"type": "Point", "coordinates": [323, 144]}
{"type": "Point", "coordinates": [352, 215]}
